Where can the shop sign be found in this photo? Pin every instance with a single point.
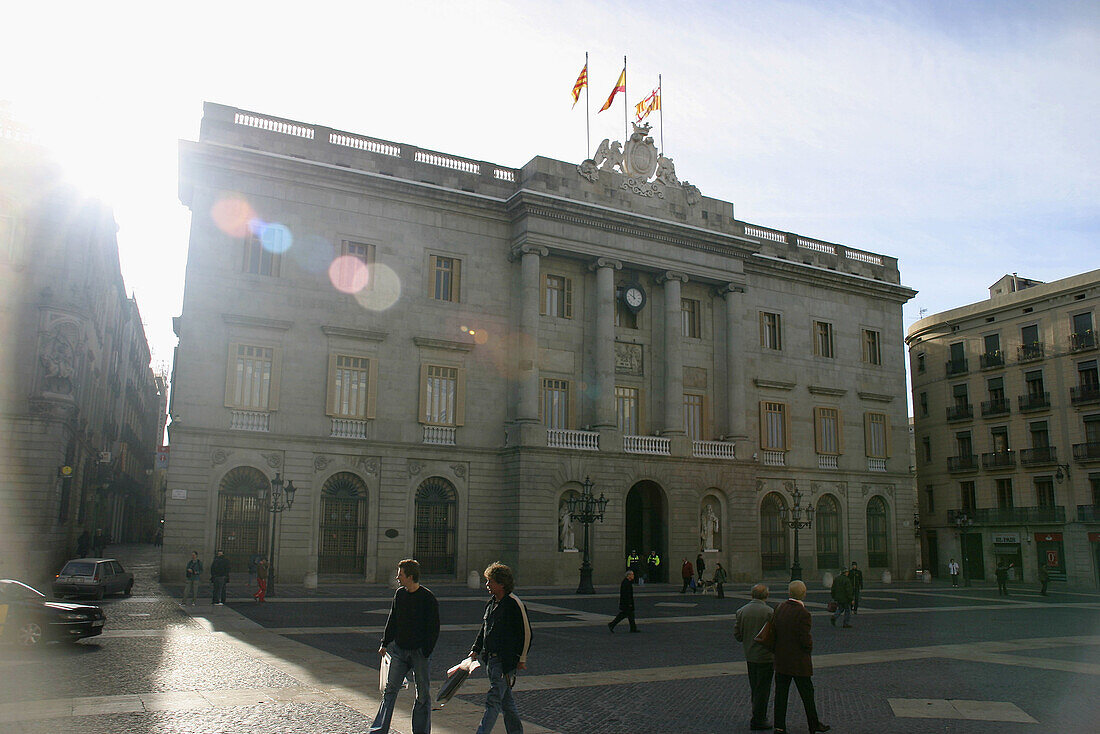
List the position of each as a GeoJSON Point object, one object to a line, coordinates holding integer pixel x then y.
{"type": "Point", "coordinates": [1094, 537]}
{"type": "Point", "coordinates": [1048, 537]}
{"type": "Point", "coordinates": [1006, 538]}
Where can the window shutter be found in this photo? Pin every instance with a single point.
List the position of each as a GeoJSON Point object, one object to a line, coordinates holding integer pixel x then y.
{"type": "Point", "coordinates": [231, 376]}
{"type": "Point", "coordinates": [330, 402]}
{"type": "Point", "coordinates": [542, 398]}
{"type": "Point", "coordinates": [422, 415]}
{"type": "Point", "coordinates": [886, 431]}
{"type": "Point", "coordinates": [542, 294]}
{"type": "Point", "coordinates": [460, 397]}
{"type": "Point", "coordinates": [763, 342]}
{"type": "Point", "coordinates": [432, 265]}
{"type": "Point", "coordinates": [567, 310]}
{"type": "Point", "coordinates": [571, 419]}
{"type": "Point", "coordinates": [867, 434]}
{"type": "Point", "coordinates": [372, 387]}
{"type": "Point", "coordinates": [276, 374]}
{"type": "Point", "coordinates": [456, 280]}
{"type": "Point", "coordinates": [839, 431]}
{"type": "Point", "coordinates": [819, 433]}
{"type": "Point", "coordinates": [706, 431]}
{"type": "Point", "coordinates": [764, 427]}
{"type": "Point", "coordinates": [786, 427]}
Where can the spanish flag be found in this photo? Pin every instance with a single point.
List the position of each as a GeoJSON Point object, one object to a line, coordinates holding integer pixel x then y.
{"type": "Point", "coordinates": [581, 83]}
{"type": "Point", "coordinates": [620, 86]}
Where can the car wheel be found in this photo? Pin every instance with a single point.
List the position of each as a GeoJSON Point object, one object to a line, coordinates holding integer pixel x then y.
{"type": "Point", "coordinates": [98, 593]}
{"type": "Point", "coordinates": [129, 589]}
{"type": "Point", "coordinates": [30, 634]}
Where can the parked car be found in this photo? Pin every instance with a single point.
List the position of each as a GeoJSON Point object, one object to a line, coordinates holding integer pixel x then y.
{"type": "Point", "coordinates": [29, 618]}
{"type": "Point", "coordinates": [94, 577]}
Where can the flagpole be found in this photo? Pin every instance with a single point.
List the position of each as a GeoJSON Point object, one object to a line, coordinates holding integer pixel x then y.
{"type": "Point", "coordinates": [660, 102]}
{"type": "Point", "coordinates": [625, 103]}
{"type": "Point", "coordinates": [587, 120]}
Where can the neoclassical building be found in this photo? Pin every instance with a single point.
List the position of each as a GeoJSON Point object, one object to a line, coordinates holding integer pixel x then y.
{"type": "Point", "coordinates": [438, 351]}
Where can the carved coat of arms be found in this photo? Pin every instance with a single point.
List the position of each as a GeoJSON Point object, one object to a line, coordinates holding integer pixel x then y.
{"type": "Point", "coordinates": [640, 162]}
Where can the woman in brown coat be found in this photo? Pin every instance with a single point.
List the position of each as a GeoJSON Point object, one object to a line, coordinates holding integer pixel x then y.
{"type": "Point", "coordinates": [793, 645]}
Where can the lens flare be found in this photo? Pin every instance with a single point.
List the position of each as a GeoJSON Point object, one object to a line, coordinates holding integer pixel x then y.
{"type": "Point", "coordinates": [349, 274]}
{"type": "Point", "coordinates": [384, 290]}
{"type": "Point", "coordinates": [273, 236]}
{"type": "Point", "coordinates": [232, 215]}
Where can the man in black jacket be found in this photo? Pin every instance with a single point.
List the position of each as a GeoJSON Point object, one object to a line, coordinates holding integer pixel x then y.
{"type": "Point", "coordinates": [412, 630]}
{"type": "Point", "coordinates": [626, 603]}
{"type": "Point", "coordinates": [502, 643]}
{"type": "Point", "coordinates": [219, 577]}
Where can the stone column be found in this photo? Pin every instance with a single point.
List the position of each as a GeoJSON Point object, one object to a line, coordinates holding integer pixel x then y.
{"type": "Point", "coordinates": [528, 348]}
{"type": "Point", "coordinates": [735, 372]}
{"type": "Point", "coordinates": [674, 361]}
{"type": "Point", "coordinates": [605, 341]}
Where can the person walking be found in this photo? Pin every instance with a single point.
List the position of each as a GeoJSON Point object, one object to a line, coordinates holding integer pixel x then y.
{"type": "Point", "coordinates": [412, 629]}
{"type": "Point", "coordinates": [856, 577]}
{"type": "Point", "coordinates": [687, 572]}
{"type": "Point", "coordinates": [99, 543]}
{"type": "Point", "coordinates": [253, 564]}
{"type": "Point", "coordinates": [1044, 579]}
{"type": "Point", "coordinates": [192, 576]}
{"type": "Point", "coordinates": [700, 566]}
{"type": "Point", "coordinates": [261, 580]}
{"type": "Point", "coordinates": [720, 578]}
{"type": "Point", "coordinates": [219, 577]}
{"type": "Point", "coordinates": [1001, 573]}
{"type": "Point", "coordinates": [502, 643]}
{"type": "Point", "coordinates": [634, 563]}
{"type": "Point", "coordinates": [842, 595]}
{"type": "Point", "coordinates": [653, 562]}
{"type": "Point", "coordinates": [794, 646]}
{"type": "Point", "coordinates": [83, 543]}
{"type": "Point", "coordinates": [751, 618]}
{"type": "Point", "coordinates": [626, 603]}
{"type": "Point", "coordinates": [953, 569]}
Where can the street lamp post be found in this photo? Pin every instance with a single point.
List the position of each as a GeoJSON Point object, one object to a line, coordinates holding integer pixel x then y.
{"type": "Point", "coordinates": [280, 498]}
{"type": "Point", "coordinates": [796, 523]}
{"type": "Point", "coordinates": [963, 522]}
{"type": "Point", "coordinates": [586, 510]}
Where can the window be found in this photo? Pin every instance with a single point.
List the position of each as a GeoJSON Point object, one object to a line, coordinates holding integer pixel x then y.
{"type": "Point", "coordinates": [555, 403]}
{"type": "Point", "coordinates": [444, 275]}
{"type": "Point", "coordinates": [877, 538]}
{"type": "Point", "coordinates": [961, 397]}
{"type": "Point", "coordinates": [1040, 435]}
{"type": "Point", "coordinates": [1087, 378]}
{"type": "Point", "coordinates": [773, 534]}
{"type": "Point", "coordinates": [1034, 382]}
{"type": "Point", "coordinates": [771, 332]}
{"type": "Point", "coordinates": [774, 427]}
{"type": "Point", "coordinates": [693, 416]}
{"type": "Point", "coordinates": [920, 363]}
{"type": "Point", "coordinates": [557, 297]}
{"type": "Point", "coordinates": [442, 395]}
{"type": "Point", "coordinates": [996, 386]}
{"type": "Point", "coordinates": [926, 445]}
{"type": "Point", "coordinates": [872, 348]}
{"type": "Point", "coordinates": [967, 496]}
{"type": "Point", "coordinates": [922, 399]}
{"type": "Point", "coordinates": [964, 444]}
{"type": "Point", "coordinates": [251, 377]}
{"type": "Point", "coordinates": [1044, 491]}
{"type": "Point", "coordinates": [1094, 483]}
{"type": "Point", "coordinates": [1092, 429]}
{"type": "Point", "coordinates": [1030, 347]}
{"type": "Point", "coordinates": [828, 533]}
{"type": "Point", "coordinates": [261, 250]}
{"type": "Point", "coordinates": [827, 435]}
{"type": "Point", "coordinates": [350, 276]}
{"type": "Point", "coordinates": [992, 344]}
{"type": "Point", "coordinates": [1004, 493]}
{"type": "Point", "coordinates": [930, 498]}
{"type": "Point", "coordinates": [999, 437]}
{"type": "Point", "coordinates": [878, 440]}
{"type": "Point", "coordinates": [689, 314]}
{"type": "Point", "coordinates": [1081, 337]}
{"type": "Point", "coordinates": [351, 386]}
{"type": "Point", "coordinates": [823, 339]}
{"type": "Point", "coordinates": [626, 408]}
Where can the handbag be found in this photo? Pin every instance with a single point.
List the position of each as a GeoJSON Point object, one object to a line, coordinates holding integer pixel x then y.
{"type": "Point", "coordinates": [766, 635]}
{"type": "Point", "coordinates": [831, 606]}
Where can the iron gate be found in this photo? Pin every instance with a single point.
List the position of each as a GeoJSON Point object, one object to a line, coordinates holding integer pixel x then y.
{"type": "Point", "coordinates": [436, 518]}
{"type": "Point", "coordinates": [343, 528]}
{"type": "Point", "coordinates": [242, 530]}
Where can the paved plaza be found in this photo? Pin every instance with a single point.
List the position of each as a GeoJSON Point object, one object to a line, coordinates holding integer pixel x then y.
{"type": "Point", "coordinates": [920, 658]}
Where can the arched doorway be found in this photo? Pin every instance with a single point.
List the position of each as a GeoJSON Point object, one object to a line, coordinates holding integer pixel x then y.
{"type": "Point", "coordinates": [242, 519]}
{"type": "Point", "coordinates": [878, 540]}
{"type": "Point", "coordinates": [827, 522]}
{"type": "Point", "coordinates": [773, 534]}
{"type": "Point", "coordinates": [434, 529]}
{"type": "Point", "coordinates": [647, 525]}
{"type": "Point", "coordinates": [343, 530]}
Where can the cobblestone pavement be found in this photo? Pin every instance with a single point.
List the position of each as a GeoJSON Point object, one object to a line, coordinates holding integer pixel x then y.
{"type": "Point", "coordinates": [919, 659]}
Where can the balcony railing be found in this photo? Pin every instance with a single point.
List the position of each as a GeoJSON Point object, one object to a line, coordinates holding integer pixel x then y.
{"type": "Point", "coordinates": [827, 461]}
{"type": "Point", "coordinates": [713, 450]}
{"type": "Point", "coordinates": [439, 435]}
{"type": "Point", "coordinates": [1000, 406]}
{"type": "Point", "coordinates": [345, 428]}
{"type": "Point", "coordinates": [990, 360]}
{"type": "Point", "coordinates": [560, 438]}
{"type": "Point", "coordinates": [1084, 394]}
{"type": "Point", "coordinates": [999, 460]}
{"type": "Point", "coordinates": [1086, 451]}
{"type": "Point", "coordinates": [1030, 352]}
{"type": "Point", "coordinates": [961, 412]}
{"type": "Point", "coordinates": [956, 366]}
{"type": "Point", "coordinates": [1088, 513]}
{"type": "Point", "coordinates": [1039, 455]}
{"type": "Point", "coordinates": [773, 458]}
{"type": "Point", "coordinates": [1018, 515]}
{"type": "Point", "coordinates": [1081, 341]}
{"type": "Point", "coordinates": [654, 445]}
{"type": "Point", "coordinates": [876, 464]}
{"type": "Point", "coordinates": [962, 463]}
{"type": "Point", "coordinates": [249, 420]}
{"type": "Point", "coordinates": [1034, 401]}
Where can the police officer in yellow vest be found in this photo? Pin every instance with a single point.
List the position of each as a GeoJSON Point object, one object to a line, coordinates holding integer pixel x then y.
{"type": "Point", "coordinates": [634, 563]}
{"type": "Point", "coordinates": [653, 562]}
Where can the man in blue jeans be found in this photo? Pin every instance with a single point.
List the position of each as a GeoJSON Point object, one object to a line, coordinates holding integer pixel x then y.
{"type": "Point", "coordinates": [502, 643]}
{"type": "Point", "coordinates": [412, 630]}
{"type": "Point", "coordinates": [219, 578]}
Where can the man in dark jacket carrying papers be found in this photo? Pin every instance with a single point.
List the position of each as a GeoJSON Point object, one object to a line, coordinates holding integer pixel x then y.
{"type": "Point", "coordinates": [502, 644]}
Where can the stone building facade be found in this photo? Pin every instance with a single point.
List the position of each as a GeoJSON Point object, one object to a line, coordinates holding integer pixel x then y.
{"type": "Point", "coordinates": [78, 403]}
{"type": "Point", "coordinates": [1007, 405]}
{"type": "Point", "coordinates": [439, 351]}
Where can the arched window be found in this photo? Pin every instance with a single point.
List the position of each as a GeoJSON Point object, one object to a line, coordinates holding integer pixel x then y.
{"type": "Point", "coordinates": [436, 518]}
{"type": "Point", "coordinates": [827, 521]}
{"type": "Point", "coordinates": [343, 531]}
{"type": "Point", "coordinates": [242, 517]}
{"type": "Point", "coordinates": [773, 534]}
{"type": "Point", "coordinates": [878, 549]}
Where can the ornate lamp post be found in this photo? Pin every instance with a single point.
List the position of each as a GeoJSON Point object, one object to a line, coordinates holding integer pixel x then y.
{"type": "Point", "coordinates": [793, 519]}
{"type": "Point", "coordinates": [963, 523]}
{"type": "Point", "coordinates": [280, 498]}
{"type": "Point", "coordinates": [586, 510]}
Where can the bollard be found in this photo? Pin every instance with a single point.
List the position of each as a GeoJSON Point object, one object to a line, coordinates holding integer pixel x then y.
{"type": "Point", "coordinates": [310, 581]}
{"type": "Point", "coordinates": [927, 577]}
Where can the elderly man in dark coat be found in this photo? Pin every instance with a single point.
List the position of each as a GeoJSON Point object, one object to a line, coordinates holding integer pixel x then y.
{"type": "Point", "coordinates": [793, 645]}
{"type": "Point", "coordinates": [750, 619]}
{"type": "Point", "coordinates": [842, 594]}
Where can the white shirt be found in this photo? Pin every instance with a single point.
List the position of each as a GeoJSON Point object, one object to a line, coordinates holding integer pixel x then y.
{"type": "Point", "coordinates": [953, 567]}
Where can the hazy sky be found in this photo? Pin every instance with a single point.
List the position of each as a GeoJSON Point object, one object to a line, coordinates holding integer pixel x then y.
{"type": "Point", "coordinates": [959, 137]}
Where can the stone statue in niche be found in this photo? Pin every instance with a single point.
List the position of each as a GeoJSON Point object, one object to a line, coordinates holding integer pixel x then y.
{"type": "Point", "coordinates": [567, 539]}
{"type": "Point", "coordinates": [709, 528]}
{"type": "Point", "coordinates": [58, 364]}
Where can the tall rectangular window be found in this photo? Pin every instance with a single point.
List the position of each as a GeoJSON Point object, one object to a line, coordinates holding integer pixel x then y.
{"type": "Point", "coordinates": [261, 251]}
{"type": "Point", "coordinates": [444, 274]}
{"type": "Point", "coordinates": [1040, 435]}
{"type": "Point", "coordinates": [693, 416]}
{"type": "Point", "coordinates": [996, 386]}
{"type": "Point", "coordinates": [1082, 336]}
{"type": "Point", "coordinates": [827, 431]}
{"type": "Point", "coordinates": [1092, 429]}
{"type": "Point", "coordinates": [1034, 382]}
{"type": "Point", "coordinates": [555, 403]}
{"type": "Point", "coordinates": [877, 440]}
{"type": "Point", "coordinates": [626, 409]}
{"type": "Point", "coordinates": [689, 316]}
{"type": "Point", "coordinates": [922, 400]}
{"type": "Point", "coordinates": [1004, 493]}
{"type": "Point", "coordinates": [557, 297]}
{"type": "Point", "coordinates": [823, 339]}
{"type": "Point", "coordinates": [773, 434]}
{"type": "Point", "coordinates": [926, 444]}
{"type": "Point", "coordinates": [1029, 335]}
{"type": "Point", "coordinates": [921, 363]}
{"type": "Point", "coordinates": [440, 391]}
{"type": "Point", "coordinates": [350, 387]}
{"type": "Point", "coordinates": [992, 343]}
{"type": "Point", "coordinates": [930, 494]}
{"type": "Point", "coordinates": [252, 369]}
{"type": "Point", "coordinates": [1044, 492]}
{"type": "Point", "coordinates": [1088, 379]}
{"type": "Point", "coordinates": [968, 496]}
{"type": "Point", "coordinates": [999, 437]}
{"type": "Point", "coordinates": [872, 347]}
{"type": "Point", "coordinates": [355, 269]}
{"type": "Point", "coordinates": [771, 331]}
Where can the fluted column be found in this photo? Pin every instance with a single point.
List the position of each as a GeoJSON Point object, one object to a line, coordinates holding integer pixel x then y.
{"type": "Point", "coordinates": [735, 374]}
{"type": "Point", "coordinates": [674, 361]}
{"type": "Point", "coordinates": [605, 341]}
{"type": "Point", "coordinates": [528, 348]}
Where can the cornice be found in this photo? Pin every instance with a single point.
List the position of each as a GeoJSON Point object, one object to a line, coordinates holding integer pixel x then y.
{"type": "Point", "coordinates": [761, 263]}
{"type": "Point", "coordinates": [835, 392]}
{"type": "Point", "coordinates": [876, 397]}
{"type": "Point", "coordinates": [454, 346]}
{"type": "Point", "coordinates": [256, 322]}
{"type": "Point", "coordinates": [364, 334]}
{"type": "Point", "coordinates": [773, 384]}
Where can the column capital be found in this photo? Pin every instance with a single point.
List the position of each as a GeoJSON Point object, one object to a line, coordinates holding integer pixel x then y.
{"type": "Point", "coordinates": [520, 250]}
{"type": "Point", "coordinates": [606, 262]}
{"type": "Point", "coordinates": [671, 275]}
{"type": "Point", "coordinates": [730, 289]}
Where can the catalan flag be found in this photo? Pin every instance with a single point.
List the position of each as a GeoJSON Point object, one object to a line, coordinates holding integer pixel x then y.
{"type": "Point", "coordinates": [620, 86]}
{"type": "Point", "coordinates": [652, 103]}
{"type": "Point", "coordinates": [581, 83]}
